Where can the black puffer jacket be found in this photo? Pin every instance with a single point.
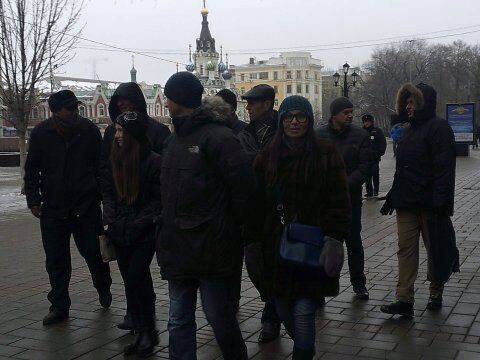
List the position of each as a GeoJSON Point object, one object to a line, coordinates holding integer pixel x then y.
{"type": "Point", "coordinates": [156, 132]}
{"type": "Point", "coordinates": [63, 176]}
{"type": "Point", "coordinates": [354, 145]}
{"type": "Point", "coordinates": [131, 224]}
{"type": "Point", "coordinates": [207, 181]}
{"type": "Point", "coordinates": [425, 169]}
{"type": "Point", "coordinates": [378, 141]}
{"type": "Point", "coordinates": [255, 137]}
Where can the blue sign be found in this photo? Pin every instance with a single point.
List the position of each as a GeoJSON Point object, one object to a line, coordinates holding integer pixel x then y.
{"type": "Point", "coordinates": [461, 118]}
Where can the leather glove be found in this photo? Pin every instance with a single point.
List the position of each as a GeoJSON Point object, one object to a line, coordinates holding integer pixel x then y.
{"type": "Point", "coordinates": [331, 258]}
{"type": "Point", "coordinates": [387, 208]}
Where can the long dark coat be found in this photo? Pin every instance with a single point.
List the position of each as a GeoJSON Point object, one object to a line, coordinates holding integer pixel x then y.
{"type": "Point", "coordinates": [322, 201]}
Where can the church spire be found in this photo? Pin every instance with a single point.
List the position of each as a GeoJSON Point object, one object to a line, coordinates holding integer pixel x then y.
{"type": "Point", "coordinates": [133, 71]}
{"type": "Point", "coordinates": [205, 42]}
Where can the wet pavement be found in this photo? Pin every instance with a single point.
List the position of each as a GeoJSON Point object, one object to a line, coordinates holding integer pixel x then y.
{"type": "Point", "coordinates": [346, 329]}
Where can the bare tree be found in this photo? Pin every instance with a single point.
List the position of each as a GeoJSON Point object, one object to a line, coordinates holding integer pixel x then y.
{"type": "Point", "coordinates": [35, 36]}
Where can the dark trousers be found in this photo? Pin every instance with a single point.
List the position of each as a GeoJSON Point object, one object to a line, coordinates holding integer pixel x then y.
{"type": "Point", "coordinates": [269, 313]}
{"type": "Point", "coordinates": [134, 264]}
{"type": "Point", "coordinates": [354, 244]}
{"type": "Point", "coordinates": [56, 235]}
{"type": "Point", "coordinates": [373, 181]}
{"type": "Point", "coordinates": [217, 306]}
{"type": "Point", "coordinates": [236, 287]}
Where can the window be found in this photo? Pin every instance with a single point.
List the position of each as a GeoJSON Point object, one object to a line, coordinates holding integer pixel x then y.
{"type": "Point", "coordinates": [157, 109]}
{"type": "Point", "coordinates": [316, 75]}
{"type": "Point", "coordinates": [289, 89]}
{"type": "Point", "coordinates": [299, 74]}
{"type": "Point", "coordinates": [35, 113]}
{"type": "Point", "coordinates": [289, 74]}
{"type": "Point", "coordinates": [316, 89]}
{"type": "Point", "coordinates": [242, 77]}
{"type": "Point", "coordinates": [100, 110]}
{"type": "Point", "coordinates": [242, 90]}
{"type": "Point", "coordinates": [253, 76]}
{"type": "Point", "coordinates": [81, 111]}
{"type": "Point", "coordinates": [275, 75]}
{"type": "Point", "coordinates": [263, 75]}
{"type": "Point", "coordinates": [275, 103]}
{"type": "Point", "coordinates": [201, 69]}
{"type": "Point", "coordinates": [306, 74]}
{"type": "Point", "coordinates": [299, 88]}
{"type": "Point", "coordinates": [307, 89]}
{"type": "Point", "coordinates": [276, 89]}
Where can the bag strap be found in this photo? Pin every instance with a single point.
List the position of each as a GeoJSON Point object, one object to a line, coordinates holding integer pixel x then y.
{"type": "Point", "coordinates": [280, 205]}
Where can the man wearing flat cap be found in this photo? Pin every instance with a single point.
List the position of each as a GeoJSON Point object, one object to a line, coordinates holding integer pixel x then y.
{"type": "Point", "coordinates": [354, 144]}
{"type": "Point", "coordinates": [62, 190]}
{"type": "Point", "coordinates": [256, 135]}
{"type": "Point", "coordinates": [379, 145]}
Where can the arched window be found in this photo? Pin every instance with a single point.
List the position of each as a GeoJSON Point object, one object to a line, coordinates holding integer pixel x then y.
{"type": "Point", "coordinates": [100, 110]}
{"type": "Point", "coordinates": [35, 113]}
{"type": "Point", "coordinates": [81, 111]}
{"type": "Point", "coordinates": [157, 109]}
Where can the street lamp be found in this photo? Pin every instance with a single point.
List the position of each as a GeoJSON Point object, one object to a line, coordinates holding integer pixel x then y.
{"type": "Point", "coordinates": [346, 85]}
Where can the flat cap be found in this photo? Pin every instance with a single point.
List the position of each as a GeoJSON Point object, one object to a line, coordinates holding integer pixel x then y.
{"type": "Point", "coordinates": [260, 92]}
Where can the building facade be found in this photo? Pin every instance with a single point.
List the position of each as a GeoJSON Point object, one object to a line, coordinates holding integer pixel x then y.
{"type": "Point", "coordinates": [291, 73]}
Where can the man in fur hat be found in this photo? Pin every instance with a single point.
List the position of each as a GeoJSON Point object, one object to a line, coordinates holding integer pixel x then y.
{"type": "Point", "coordinates": [422, 194]}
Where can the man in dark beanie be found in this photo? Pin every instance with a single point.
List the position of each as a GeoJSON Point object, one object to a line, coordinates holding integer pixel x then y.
{"type": "Point", "coordinates": [207, 181]}
{"type": "Point", "coordinates": [231, 99]}
{"type": "Point", "coordinates": [129, 97]}
{"type": "Point", "coordinates": [354, 144]}
{"type": "Point", "coordinates": [379, 145]}
{"type": "Point", "coordinates": [62, 189]}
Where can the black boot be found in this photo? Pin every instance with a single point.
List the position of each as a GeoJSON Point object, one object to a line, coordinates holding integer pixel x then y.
{"type": "Point", "coordinates": [127, 323]}
{"type": "Point", "coordinates": [301, 354]}
{"type": "Point", "coordinates": [132, 348]}
{"type": "Point", "coordinates": [148, 337]}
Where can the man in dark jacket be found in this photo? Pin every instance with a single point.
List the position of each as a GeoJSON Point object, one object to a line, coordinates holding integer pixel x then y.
{"type": "Point", "coordinates": [354, 144]}
{"type": "Point", "coordinates": [62, 189]}
{"type": "Point", "coordinates": [129, 97]}
{"type": "Point", "coordinates": [379, 145]}
{"type": "Point", "coordinates": [254, 138]}
{"type": "Point", "coordinates": [422, 192]}
{"type": "Point", "coordinates": [206, 182]}
{"type": "Point", "coordinates": [231, 99]}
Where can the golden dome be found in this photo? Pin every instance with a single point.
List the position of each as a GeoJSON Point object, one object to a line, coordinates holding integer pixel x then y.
{"type": "Point", "coordinates": [204, 11]}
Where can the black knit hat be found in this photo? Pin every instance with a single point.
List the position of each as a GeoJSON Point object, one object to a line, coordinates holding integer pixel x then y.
{"type": "Point", "coordinates": [340, 104]}
{"type": "Point", "coordinates": [368, 117]}
{"type": "Point", "coordinates": [229, 97]}
{"type": "Point", "coordinates": [184, 89]}
{"type": "Point", "coordinates": [58, 100]}
{"type": "Point", "coordinates": [135, 123]}
{"type": "Point", "coordinates": [295, 102]}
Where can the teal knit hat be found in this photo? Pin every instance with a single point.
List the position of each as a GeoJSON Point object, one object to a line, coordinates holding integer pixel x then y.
{"type": "Point", "coordinates": [295, 102]}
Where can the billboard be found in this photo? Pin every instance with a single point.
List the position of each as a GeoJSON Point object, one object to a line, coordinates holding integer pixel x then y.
{"type": "Point", "coordinates": [461, 118]}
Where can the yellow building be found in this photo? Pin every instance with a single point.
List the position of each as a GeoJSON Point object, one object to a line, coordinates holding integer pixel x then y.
{"type": "Point", "coordinates": [292, 73]}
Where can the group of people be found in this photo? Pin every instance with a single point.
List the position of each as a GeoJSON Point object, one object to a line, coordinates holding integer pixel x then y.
{"type": "Point", "coordinates": [218, 193]}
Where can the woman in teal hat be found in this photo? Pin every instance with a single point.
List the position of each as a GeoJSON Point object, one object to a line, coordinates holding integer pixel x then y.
{"type": "Point", "coordinates": [307, 175]}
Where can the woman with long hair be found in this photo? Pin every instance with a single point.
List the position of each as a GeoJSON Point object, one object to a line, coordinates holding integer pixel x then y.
{"type": "Point", "coordinates": [306, 175]}
{"type": "Point", "coordinates": [131, 201]}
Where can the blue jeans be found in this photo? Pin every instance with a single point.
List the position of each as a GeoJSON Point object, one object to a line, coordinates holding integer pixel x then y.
{"type": "Point", "coordinates": [216, 301]}
{"type": "Point", "coordinates": [298, 317]}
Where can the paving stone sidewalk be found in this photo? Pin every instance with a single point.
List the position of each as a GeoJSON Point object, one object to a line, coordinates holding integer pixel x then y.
{"type": "Point", "coordinates": [346, 329]}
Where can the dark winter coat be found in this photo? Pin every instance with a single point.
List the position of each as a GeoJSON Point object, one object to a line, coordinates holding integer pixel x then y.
{"type": "Point", "coordinates": [354, 145]}
{"type": "Point", "coordinates": [207, 181]}
{"type": "Point", "coordinates": [255, 137]}
{"type": "Point", "coordinates": [156, 132]}
{"type": "Point", "coordinates": [237, 125]}
{"type": "Point", "coordinates": [132, 224]}
{"type": "Point", "coordinates": [63, 175]}
{"type": "Point", "coordinates": [425, 168]}
{"type": "Point", "coordinates": [378, 141]}
{"type": "Point", "coordinates": [321, 201]}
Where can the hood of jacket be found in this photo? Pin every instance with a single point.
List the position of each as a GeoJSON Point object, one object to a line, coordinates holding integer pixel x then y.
{"type": "Point", "coordinates": [425, 99]}
{"type": "Point", "coordinates": [212, 110]}
{"type": "Point", "coordinates": [132, 92]}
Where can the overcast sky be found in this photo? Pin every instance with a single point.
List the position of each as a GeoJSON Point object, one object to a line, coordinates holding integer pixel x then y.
{"type": "Point", "coordinates": [243, 26]}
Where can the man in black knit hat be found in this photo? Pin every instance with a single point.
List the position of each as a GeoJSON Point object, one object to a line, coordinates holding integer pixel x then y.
{"type": "Point", "coordinates": [354, 144]}
{"type": "Point", "coordinates": [207, 181]}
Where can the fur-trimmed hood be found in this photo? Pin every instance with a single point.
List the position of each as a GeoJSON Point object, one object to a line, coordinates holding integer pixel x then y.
{"type": "Point", "coordinates": [425, 99]}
{"type": "Point", "coordinates": [213, 110]}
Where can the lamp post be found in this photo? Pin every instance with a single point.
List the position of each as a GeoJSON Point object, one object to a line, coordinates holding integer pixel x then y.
{"type": "Point", "coordinates": [346, 85]}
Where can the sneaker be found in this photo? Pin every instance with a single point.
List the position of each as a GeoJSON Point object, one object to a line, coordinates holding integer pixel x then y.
{"type": "Point", "coordinates": [368, 196]}
{"type": "Point", "coordinates": [105, 298]}
{"type": "Point", "coordinates": [435, 302]}
{"type": "Point", "coordinates": [54, 317]}
{"type": "Point", "coordinates": [361, 293]}
{"type": "Point", "coordinates": [398, 308]}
